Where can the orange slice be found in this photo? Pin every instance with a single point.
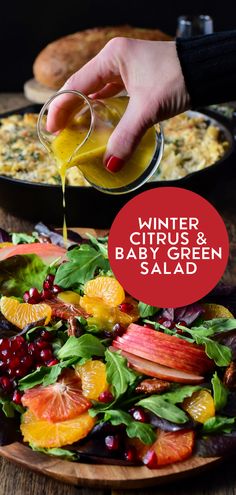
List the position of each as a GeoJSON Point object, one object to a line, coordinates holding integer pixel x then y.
{"type": "Point", "coordinates": [48, 435]}
{"type": "Point", "coordinates": [6, 244]}
{"type": "Point", "coordinates": [94, 379]}
{"type": "Point", "coordinates": [106, 288]}
{"type": "Point", "coordinates": [105, 316]}
{"type": "Point", "coordinates": [216, 311]}
{"type": "Point", "coordinates": [60, 401]}
{"type": "Point", "coordinates": [200, 406]}
{"type": "Point", "coordinates": [21, 314]}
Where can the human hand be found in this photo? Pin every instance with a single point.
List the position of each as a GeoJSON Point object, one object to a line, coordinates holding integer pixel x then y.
{"type": "Point", "coordinates": [151, 74]}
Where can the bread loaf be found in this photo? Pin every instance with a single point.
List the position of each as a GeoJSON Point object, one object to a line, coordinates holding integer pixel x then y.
{"type": "Point", "coordinates": [58, 60]}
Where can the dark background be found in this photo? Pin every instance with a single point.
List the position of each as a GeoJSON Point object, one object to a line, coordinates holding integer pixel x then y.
{"type": "Point", "coordinates": [26, 27]}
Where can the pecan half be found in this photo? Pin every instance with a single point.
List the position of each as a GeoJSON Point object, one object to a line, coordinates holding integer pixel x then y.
{"type": "Point", "coordinates": [230, 376]}
{"type": "Point", "coordinates": [152, 386]}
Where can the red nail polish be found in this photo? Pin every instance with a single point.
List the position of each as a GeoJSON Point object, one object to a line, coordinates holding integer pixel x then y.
{"type": "Point", "coordinates": [114, 164]}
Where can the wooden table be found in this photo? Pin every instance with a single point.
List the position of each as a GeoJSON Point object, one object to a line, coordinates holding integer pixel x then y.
{"type": "Point", "coordinates": [217, 481]}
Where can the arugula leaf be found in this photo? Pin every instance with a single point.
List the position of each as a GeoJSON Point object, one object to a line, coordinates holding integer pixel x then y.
{"type": "Point", "coordinates": [101, 246]}
{"type": "Point", "coordinates": [221, 354]}
{"type": "Point", "coordinates": [85, 346]}
{"type": "Point", "coordinates": [220, 392]}
{"type": "Point", "coordinates": [45, 375]}
{"type": "Point", "coordinates": [134, 429]}
{"type": "Point", "coordinates": [21, 238]}
{"type": "Point", "coordinates": [216, 325]}
{"type": "Point", "coordinates": [146, 310]}
{"type": "Point", "coordinates": [83, 262]}
{"type": "Point", "coordinates": [119, 375]}
{"type": "Point", "coordinates": [63, 453]}
{"type": "Point", "coordinates": [164, 409]}
{"type": "Point", "coordinates": [177, 395]}
{"type": "Point", "coordinates": [219, 424]}
{"type": "Point", "coordinates": [20, 272]}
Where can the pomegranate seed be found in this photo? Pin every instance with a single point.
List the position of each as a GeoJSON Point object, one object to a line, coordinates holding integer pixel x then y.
{"type": "Point", "coordinates": [46, 354]}
{"type": "Point", "coordinates": [5, 345]}
{"type": "Point", "coordinates": [34, 293]}
{"type": "Point", "coordinates": [148, 325]}
{"type": "Point", "coordinates": [126, 307]}
{"type": "Point", "coordinates": [56, 289]}
{"type": "Point", "coordinates": [32, 348]}
{"type": "Point", "coordinates": [52, 362]}
{"type": "Point", "coordinates": [105, 396]}
{"type": "Point", "coordinates": [161, 320]}
{"type": "Point", "coordinates": [21, 371]}
{"type": "Point", "coordinates": [118, 330]}
{"type": "Point", "coordinates": [17, 397]}
{"type": "Point", "coordinates": [112, 442]}
{"type": "Point", "coordinates": [41, 344]}
{"type": "Point", "coordinates": [130, 454]}
{"type": "Point", "coordinates": [2, 366]}
{"type": "Point", "coordinates": [139, 414]}
{"type": "Point", "coordinates": [150, 459]}
{"type": "Point", "coordinates": [46, 294]}
{"type": "Point", "coordinates": [26, 297]}
{"type": "Point", "coordinates": [47, 285]}
{"type": "Point", "coordinates": [50, 278]}
{"type": "Point", "coordinates": [26, 361]}
{"type": "Point", "coordinates": [5, 383]}
{"type": "Point", "coordinates": [46, 335]}
{"type": "Point", "coordinates": [13, 362]}
{"type": "Point", "coordinates": [17, 342]}
{"type": "Point", "coordinates": [6, 354]}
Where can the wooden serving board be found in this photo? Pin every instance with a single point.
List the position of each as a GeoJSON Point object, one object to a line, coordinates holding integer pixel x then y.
{"type": "Point", "coordinates": [97, 476]}
{"type": "Point", "coordinates": [100, 475]}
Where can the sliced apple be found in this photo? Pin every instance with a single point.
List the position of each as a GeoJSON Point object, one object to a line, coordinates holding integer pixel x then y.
{"type": "Point", "coordinates": [159, 371]}
{"type": "Point", "coordinates": [164, 349]}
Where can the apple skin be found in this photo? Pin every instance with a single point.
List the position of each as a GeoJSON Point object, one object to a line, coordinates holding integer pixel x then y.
{"type": "Point", "coordinates": [156, 370]}
{"type": "Point", "coordinates": [164, 349]}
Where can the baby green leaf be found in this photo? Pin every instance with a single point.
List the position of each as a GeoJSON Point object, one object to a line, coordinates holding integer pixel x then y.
{"type": "Point", "coordinates": [134, 429]}
{"type": "Point", "coordinates": [159, 406]}
{"type": "Point", "coordinates": [146, 310]}
{"type": "Point", "coordinates": [219, 424]}
{"type": "Point", "coordinates": [20, 272]}
{"type": "Point", "coordinates": [220, 392]}
{"type": "Point", "coordinates": [85, 346]}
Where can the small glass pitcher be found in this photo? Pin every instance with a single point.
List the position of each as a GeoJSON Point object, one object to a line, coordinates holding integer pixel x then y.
{"type": "Point", "coordinates": [84, 136]}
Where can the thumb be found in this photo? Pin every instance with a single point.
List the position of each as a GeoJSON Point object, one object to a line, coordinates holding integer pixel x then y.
{"type": "Point", "coordinates": [126, 136]}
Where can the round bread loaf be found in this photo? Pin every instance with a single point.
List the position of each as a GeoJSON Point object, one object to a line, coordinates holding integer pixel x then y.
{"type": "Point", "coordinates": [58, 60]}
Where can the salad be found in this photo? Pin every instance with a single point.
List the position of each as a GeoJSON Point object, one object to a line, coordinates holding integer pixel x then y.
{"type": "Point", "coordinates": [90, 374]}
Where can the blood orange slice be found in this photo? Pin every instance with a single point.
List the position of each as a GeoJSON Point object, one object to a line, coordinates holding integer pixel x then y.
{"type": "Point", "coordinates": [60, 401]}
{"type": "Point", "coordinates": [47, 252]}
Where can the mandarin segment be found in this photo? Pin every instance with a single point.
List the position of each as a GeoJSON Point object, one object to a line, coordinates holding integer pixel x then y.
{"type": "Point", "coordinates": [94, 379]}
{"type": "Point", "coordinates": [106, 288]}
{"type": "Point", "coordinates": [105, 316]}
{"type": "Point", "coordinates": [200, 406]}
{"type": "Point", "coordinates": [21, 314]}
{"type": "Point", "coordinates": [45, 434]}
{"type": "Point", "coordinates": [60, 401]}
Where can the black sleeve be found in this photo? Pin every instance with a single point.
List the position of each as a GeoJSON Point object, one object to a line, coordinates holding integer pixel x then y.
{"type": "Point", "coordinates": [209, 67]}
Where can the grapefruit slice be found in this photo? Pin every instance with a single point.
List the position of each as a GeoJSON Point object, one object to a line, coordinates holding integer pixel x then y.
{"type": "Point", "coordinates": [48, 435]}
{"type": "Point", "coordinates": [21, 314]}
{"type": "Point", "coordinates": [60, 401]}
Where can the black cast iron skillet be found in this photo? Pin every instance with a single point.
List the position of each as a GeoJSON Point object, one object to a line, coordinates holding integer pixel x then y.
{"type": "Point", "coordinates": [87, 207]}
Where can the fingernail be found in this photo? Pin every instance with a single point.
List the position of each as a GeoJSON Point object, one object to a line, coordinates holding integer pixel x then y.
{"type": "Point", "coordinates": [114, 164]}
